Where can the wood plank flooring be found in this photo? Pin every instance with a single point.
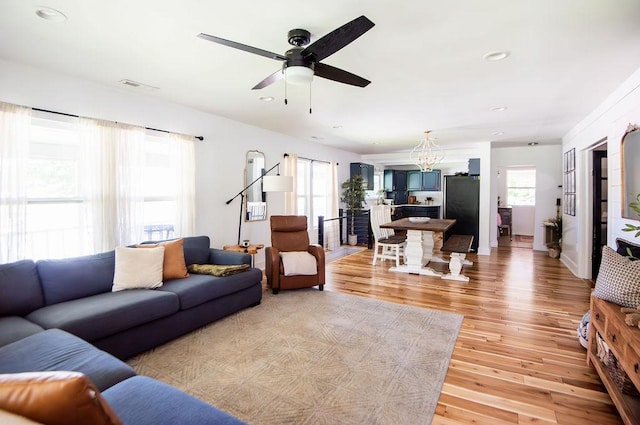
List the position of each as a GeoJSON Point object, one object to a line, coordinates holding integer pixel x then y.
{"type": "Point", "coordinates": [517, 359]}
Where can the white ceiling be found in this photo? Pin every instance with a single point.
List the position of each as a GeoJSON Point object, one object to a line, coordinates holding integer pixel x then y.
{"type": "Point", "coordinates": [424, 58]}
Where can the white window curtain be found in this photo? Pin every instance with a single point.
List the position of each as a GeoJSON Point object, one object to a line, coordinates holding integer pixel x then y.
{"type": "Point", "coordinates": [183, 151]}
{"type": "Point", "coordinates": [332, 228]}
{"type": "Point", "coordinates": [15, 127]}
{"type": "Point", "coordinates": [291, 198]}
{"type": "Point", "coordinates": [114, 195]}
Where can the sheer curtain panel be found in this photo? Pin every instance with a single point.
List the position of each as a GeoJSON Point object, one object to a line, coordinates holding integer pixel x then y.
{"type": "Point", "coordinates": [291, 198]}
{"type": "Point", "coordinates": [332, 228]}
{"type": "Point", "coordinates": [113, 172]}
{"type": "Point", "coordinates": [183, 151]}
{"type": "Point", "coordinates": [15, 127]}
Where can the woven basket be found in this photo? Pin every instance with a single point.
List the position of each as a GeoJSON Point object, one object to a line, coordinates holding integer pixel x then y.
{"type": "Point", "coordinates": [603, 348]}
{"type": "Point", "coordinates": [619, 376]}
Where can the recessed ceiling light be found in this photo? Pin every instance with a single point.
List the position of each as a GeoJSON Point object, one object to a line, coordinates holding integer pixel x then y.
{"type": "Point", "coordinates": [137, 85]}
{"type": "Point", "coordinates": [498, 133]}
{"type": "Point", "coordinates": [498, 108]}
{"type": "Point", "coordinates": [50, 14]}
{"type": "Point", "coordinates": [532, 143]}
{"type": "Point", "coordinates": [267, 98]}
{"type": "Point", "coordinates": [496, 56]}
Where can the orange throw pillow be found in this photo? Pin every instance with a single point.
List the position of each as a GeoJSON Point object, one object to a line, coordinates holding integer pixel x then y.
{"type": "Point", "coordinates": [174, 266]}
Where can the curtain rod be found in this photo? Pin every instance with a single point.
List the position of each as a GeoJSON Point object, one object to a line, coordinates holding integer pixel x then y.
{"type": "Point", "coordinates": [311, 159]}
{"type": "Point", "coordinates": [77, 116]}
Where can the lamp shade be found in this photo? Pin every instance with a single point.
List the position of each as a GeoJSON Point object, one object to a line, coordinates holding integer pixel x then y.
{"type": "Point", "coordinates": [277, 183]}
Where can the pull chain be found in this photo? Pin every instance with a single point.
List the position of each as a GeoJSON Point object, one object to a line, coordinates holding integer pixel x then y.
{"type": "Point", "coordinates": [285, 87]}
{"type": "Point", "coordinates": [309, 98]}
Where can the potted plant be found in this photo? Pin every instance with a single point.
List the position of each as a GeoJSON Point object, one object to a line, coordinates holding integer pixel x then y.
{"type": "Point", "coordinates": [635, 206]}
{"type": "Point", "coordinates": [554, 246]}
{"type": "Point", "coordinates": [353, 195]}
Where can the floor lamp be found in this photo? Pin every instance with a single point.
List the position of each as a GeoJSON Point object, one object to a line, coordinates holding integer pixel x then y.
{"type": "Point", "coordinates": [275, 183]}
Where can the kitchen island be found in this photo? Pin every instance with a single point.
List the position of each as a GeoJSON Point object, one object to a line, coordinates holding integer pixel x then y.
{"type": "Point", "coordinates": [416, 210]}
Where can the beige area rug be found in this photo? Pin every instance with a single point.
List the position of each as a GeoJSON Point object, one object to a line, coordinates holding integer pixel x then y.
{"type": "Point", "coordinates": [311, 357]}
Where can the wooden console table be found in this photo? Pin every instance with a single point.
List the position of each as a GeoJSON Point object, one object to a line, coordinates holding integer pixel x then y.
{"type": "Point", "coordinates": [624, 343]}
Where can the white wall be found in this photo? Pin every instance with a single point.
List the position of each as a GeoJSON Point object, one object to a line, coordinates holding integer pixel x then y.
{"type": "Point", "coordinates": [607, 122]}
{"type": "Point", "coordinates": [547, 160]}
{"type": "Point", "coordinates": [220, 157]}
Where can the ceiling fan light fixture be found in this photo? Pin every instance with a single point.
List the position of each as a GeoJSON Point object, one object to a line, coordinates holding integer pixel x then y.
{"type": "Point", "coordinates": [298, 74]}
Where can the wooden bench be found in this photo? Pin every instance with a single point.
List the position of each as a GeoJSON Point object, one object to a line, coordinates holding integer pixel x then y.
{"type": "Point", "coordinates": [458, 246]}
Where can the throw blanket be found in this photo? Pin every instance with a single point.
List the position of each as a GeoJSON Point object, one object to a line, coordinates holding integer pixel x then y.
{"type": "Point", "coordinates": [217, 269]}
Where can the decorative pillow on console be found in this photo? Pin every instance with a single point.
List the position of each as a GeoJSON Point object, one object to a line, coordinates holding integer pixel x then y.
{"type": "Point", "coordinates": [618, 279]}
{"type": "Point", "coordinates": [299, 263]}
{"type": "Point", "coordinates": [55, 398]}
{"type": "Point", "coordinates": [138, 268]}
{"type": "Point", "coordinates": [174, 266]}
{"type": "Point", "coordinates": [625, 248]}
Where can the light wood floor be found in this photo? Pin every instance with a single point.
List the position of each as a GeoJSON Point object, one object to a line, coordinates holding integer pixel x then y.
{"type": "Point", "coordinates": [517, 359]}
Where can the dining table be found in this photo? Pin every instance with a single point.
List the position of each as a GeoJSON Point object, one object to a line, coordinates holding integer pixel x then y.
{"type": "Point", "coordinates": [424, 241]}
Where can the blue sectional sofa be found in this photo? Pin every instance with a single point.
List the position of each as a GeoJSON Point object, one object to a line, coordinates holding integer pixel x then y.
{"type": "Point", "coordinates": [63, 315]}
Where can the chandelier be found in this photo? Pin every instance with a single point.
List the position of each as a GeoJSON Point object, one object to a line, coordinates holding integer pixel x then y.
{"type": "Point", "coordinates": [427, 153]}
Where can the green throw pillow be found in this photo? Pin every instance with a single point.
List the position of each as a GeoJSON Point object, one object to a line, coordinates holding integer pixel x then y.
{"type": "Point", "coordinates": [217, 269]}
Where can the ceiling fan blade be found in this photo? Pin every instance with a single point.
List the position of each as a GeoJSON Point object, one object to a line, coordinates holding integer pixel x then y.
{"type": "Point", "coordinates": [276, 76]}
{"type": "Point", "coordinates": [338, 38]}
{"type": "Point", "coordinates": [242, 47]}
{"type": "Point", "coordinates": [336, 74]}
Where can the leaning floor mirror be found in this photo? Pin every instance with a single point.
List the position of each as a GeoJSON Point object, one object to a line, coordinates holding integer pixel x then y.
{"type": "Point", "coordinates": [256, 200]}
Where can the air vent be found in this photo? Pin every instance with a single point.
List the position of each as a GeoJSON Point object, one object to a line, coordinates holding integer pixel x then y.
{"type": "Point", "coordinates": [137, 85]}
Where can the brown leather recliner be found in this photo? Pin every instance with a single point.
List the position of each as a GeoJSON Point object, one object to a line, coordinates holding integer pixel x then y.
{"type": "Point", "coordinates": [288, 234]}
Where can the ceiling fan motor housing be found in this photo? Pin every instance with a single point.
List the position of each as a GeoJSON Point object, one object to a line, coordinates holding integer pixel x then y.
{"type": "Point", "coordinates": [299, 37]}
{"type": "Point", "coordinates": [295, 58]}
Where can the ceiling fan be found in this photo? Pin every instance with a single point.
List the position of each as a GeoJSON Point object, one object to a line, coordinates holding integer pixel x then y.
{"type": "Point", "coordinates": [300, 64]}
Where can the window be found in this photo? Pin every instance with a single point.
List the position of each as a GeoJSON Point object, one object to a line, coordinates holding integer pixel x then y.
{"type": "Point", "coordinates": [160, 188]}
{"type": "Point", "coordinates": [313, 192]}
{"type": "Point", "coordinates": [521, 186]}
{"type": "Point", "coordinates": [72, 207]}
{"type": "Point", "coordinates": [56, 224]}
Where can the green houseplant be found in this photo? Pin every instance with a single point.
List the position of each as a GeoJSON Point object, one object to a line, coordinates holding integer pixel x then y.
{"type": "Point", "coordinates": [635, 206]}
{"type": "Point", "coordinates": [353, 195]}
{"type": "Point", "coordinates": [554, 246]}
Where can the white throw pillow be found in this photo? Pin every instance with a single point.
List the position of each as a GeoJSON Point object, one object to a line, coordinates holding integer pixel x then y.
{"type": "Point", "coordinates": [138, 268]}
{"type": "Point", "coordinates": [298, 263]}
{"type": "Point", "coordinates": [618, 279]}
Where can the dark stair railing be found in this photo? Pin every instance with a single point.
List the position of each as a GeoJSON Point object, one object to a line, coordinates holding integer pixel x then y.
{"type": "Point", "coordinates": [362, 227]}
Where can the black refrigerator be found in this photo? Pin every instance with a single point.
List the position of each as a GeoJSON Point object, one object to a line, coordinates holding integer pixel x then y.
{"type": "Point", "coordinates": [462, 203]}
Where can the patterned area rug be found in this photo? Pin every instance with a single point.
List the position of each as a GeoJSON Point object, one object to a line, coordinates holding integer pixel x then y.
{"type": "Point", "coordinates": [310, 357]}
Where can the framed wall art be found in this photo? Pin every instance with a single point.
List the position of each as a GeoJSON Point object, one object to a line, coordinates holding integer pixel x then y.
{"type": "Point", "coordinates": [569, 182]}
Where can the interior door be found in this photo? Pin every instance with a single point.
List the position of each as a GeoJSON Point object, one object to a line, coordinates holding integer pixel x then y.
{"type": "Point", "coordinates": [600, 194]}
